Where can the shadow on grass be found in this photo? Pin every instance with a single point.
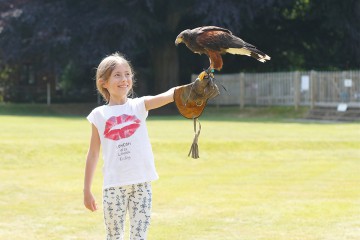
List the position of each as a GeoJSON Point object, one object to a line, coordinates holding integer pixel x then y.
{"type": "Point", "coordinates": [76, 110]}
{"type": "Point", "coordinates": [169, 113]}
{"type": "Point", "coordinates": [248, 114]}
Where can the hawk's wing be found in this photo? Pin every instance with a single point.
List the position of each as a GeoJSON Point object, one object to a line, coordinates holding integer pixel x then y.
{"type": "Point", "coordinates": [216, 41]}
{"type": "Point", "coordinates": [219, 39]}
{"type": "Point", "coordinates": [223, 41]}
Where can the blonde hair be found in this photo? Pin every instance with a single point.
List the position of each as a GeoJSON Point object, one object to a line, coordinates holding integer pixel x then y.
{"type": "Point", "coordinates": [104, 70]}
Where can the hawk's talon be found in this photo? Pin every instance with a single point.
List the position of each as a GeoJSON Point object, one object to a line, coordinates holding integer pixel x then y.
{"type": "Point", "coordinates": [203, 75]}
{"type": "Point", "coordinates": [208, 73]}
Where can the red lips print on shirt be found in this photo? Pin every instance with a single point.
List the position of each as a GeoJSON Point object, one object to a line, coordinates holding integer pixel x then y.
{"type": "Point", "coordinates": [130, 125]}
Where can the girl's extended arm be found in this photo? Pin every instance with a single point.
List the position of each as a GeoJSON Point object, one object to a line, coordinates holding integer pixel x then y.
{"type": "Point", "coordinates": [152, 102]}
{"type": "Point", "coordinates": [91, 162]}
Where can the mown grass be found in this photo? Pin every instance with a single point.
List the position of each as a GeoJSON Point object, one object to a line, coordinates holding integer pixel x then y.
{"type": "Point", "coordinates": [257, 179]}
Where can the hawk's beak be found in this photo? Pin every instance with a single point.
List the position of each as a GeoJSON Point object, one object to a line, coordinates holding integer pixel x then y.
{"type": "Point", "coordinates": [178, 40]}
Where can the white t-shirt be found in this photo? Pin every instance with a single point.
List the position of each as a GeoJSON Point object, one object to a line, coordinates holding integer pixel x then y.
{"type": "Point", "coordinates": [126, 148]}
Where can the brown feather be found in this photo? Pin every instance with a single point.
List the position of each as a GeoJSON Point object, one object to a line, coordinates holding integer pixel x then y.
{"type": "Point", "coordinates": [215, 41]}
{"type": "Point", "coordinates": [216, 61]}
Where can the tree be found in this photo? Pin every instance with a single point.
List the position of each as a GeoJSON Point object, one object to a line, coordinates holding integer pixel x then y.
{"type": "Point", "coordinates": [336, 24]}
{"type": "Point", "coordinates": [304, 34]}
{"type": "Point", "coordinates": [54, 34]}
{"type": "Point", "coordinates": [71, 37]}
{"type": "Point", "coordinates": [85, 31]}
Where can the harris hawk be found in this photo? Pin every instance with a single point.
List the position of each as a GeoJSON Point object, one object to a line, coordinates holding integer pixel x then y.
{"type": "Point", "coordinates": [216, 41]}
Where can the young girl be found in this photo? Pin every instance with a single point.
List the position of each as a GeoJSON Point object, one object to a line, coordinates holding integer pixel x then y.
{"type": "Point", "coordinates": [120, 127]}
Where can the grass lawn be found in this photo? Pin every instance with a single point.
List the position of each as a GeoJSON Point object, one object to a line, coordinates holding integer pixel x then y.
{"type": "Point", "coordinates": [255, 179]}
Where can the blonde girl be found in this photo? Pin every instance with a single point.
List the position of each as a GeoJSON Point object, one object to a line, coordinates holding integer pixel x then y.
{"type": "Point", "coordinates": [128, 170]}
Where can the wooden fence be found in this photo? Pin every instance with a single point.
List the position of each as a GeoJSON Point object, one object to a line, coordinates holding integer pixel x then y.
{"type": "Point", "coordinates": [311, 88]}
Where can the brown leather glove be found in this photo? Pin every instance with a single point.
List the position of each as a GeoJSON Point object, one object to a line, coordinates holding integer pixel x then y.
{"type": "Point", "coordinates": [192, 98]}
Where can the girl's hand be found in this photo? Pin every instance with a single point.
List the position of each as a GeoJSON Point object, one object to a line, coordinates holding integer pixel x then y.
{"type": "Point", "coordinates": [89, 201]}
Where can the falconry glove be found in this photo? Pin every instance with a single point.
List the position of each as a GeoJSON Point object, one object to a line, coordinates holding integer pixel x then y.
{"type": "Point", "coordinates": [191, 100]}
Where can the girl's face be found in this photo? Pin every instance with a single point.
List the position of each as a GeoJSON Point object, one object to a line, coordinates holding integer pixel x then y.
{"type": "Point", "coordinates": [120, 81]}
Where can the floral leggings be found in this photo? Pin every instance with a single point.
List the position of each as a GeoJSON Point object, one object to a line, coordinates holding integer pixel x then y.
{"type": "Point", "coordinates": [117, 201]}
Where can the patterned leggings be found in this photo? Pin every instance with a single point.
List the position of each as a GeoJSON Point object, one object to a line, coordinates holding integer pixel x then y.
{"type": "Point", "coordinates": [117, 201]}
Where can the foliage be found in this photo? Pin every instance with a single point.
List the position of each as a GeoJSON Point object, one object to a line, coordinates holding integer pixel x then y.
{"type": "Point", "coordinates": [5, 72]}
{"type": "Point", "coordinates": [336, 26]}
{"type": "Point", "coordinates": [297, 34]}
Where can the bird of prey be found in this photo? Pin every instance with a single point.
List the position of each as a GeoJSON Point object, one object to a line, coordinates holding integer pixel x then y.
{"type": "Point", "coordinates": [215, 41]}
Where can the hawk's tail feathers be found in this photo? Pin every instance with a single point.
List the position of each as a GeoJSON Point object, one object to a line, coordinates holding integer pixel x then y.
{"type": "Point", "coordinates": [259, 55]}
{"type": "Point", "coordinates": [251, 52]}
{"type": "Point", "coordinates": [262, 58]}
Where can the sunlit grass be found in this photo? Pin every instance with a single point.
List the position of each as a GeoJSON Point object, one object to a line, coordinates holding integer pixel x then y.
{"type": "Point", "coordinates": [254, 180]}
